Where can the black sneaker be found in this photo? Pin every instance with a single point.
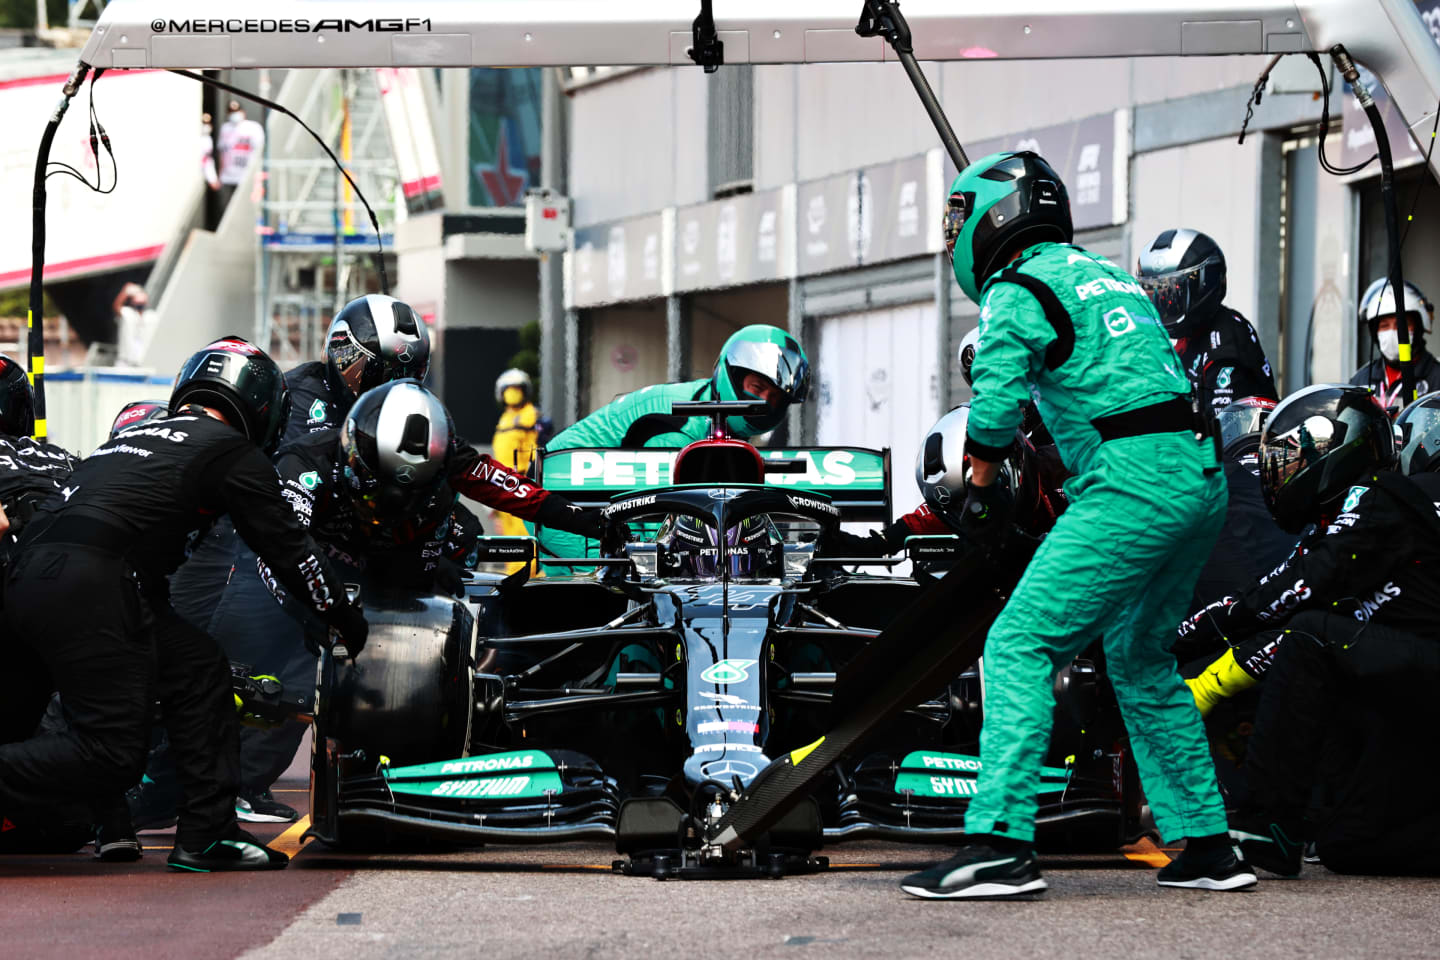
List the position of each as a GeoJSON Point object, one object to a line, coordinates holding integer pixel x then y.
{"type": "Point", "coordinates": [260, 807]}
{"type": "Point", "coordinates": [152, 806]}
{"type": "Point", "coordinates": [243, 852]}
{"type": "Point", "coordinates": [115, 842]}
{"type": "Point", "coordinates": [1223, 869]}
{"type": "Point", "coordinates": [1271, 846]}
{"type": "Point", "coordinates": [978, 872]}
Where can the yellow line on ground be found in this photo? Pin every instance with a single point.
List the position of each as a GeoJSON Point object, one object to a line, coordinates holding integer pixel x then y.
{"type": "Point", "coordinates": [575, 866]}
{"type": "Point", "coordinates": [289, 789]}
{"type": "Point", "coordinates": [1146, 852]}
{"type": "Point", "coordinates": [288, 842]}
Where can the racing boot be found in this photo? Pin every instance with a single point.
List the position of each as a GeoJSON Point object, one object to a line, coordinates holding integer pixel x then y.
{"type": "Point", "coordinates": [984, 868]}
{"type": "Point", "coordinates": [241, 852]}
{"type": "Point", "coordinates": [1273, 846]}
{"type": "Point", "coordinates": [1208, 863]}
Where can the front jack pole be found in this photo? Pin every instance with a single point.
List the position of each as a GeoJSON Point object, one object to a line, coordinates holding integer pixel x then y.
{"type": "Point", "coordinates": [882, 18]}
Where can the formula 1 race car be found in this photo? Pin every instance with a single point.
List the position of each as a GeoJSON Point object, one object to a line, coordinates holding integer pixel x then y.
{"type": "Point", "coordinates": [617, 703]}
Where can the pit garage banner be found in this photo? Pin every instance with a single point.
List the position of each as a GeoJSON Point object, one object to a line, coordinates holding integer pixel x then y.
{"type": "Point", "coordinates": [1091, 155]}
{"type": "Point", "coordinates": [616, 262]}
{"type": "Point", "coordinates": [742, 239]}
{"type": "Point", "coordinates": [866, 216]}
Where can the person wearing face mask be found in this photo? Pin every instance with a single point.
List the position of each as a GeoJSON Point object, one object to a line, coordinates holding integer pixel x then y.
{"type": "Point", "coordinates": [1183, 272]}
{"type": "Point", "coordinates": [1378, 312]}
{"type": "Point", "coordinates": [207, 153]}
{"type": "Point", "coordinates": [240, 143]}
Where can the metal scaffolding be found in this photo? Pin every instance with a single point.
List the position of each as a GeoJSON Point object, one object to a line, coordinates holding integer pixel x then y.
{"type": "Point", "coordinates": [315, 242]}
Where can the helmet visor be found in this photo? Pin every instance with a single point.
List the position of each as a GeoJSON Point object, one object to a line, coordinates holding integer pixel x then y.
{"type": "Point", "coordinates": [1418, 436]}
{"type": "Point", "coordinates": [1285, 455]}
{"type": "Point", "coordinates": [781, 364]}
{"type": "Point", "coordinates": [1241, 419]}
{"type": "Point", "coordinates": [953, 221]}
{"type": "Point", "coordinates": [1174, 292]}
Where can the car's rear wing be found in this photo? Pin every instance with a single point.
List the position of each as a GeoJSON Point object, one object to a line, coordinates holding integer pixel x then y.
{"type": "Point", "coordinates": [856, 480]}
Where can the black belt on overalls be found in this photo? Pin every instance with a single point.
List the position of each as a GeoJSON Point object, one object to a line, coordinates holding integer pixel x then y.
{"type": "Point", "coordinates": [1168, 416]}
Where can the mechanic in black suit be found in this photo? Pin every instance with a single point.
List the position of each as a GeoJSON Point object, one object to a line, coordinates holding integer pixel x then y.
{"type": "Point", "coordinates": [1343, 634]}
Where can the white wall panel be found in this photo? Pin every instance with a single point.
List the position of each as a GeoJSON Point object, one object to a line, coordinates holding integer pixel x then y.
{"type": "Point", "coordinates": [1211, 187]}
{"type": "Point", "coordinates": [878, 385]}
{"type": "Point", "coordinates": [637, 144]}
{"type": "Point", "coordinates": [848, 115]}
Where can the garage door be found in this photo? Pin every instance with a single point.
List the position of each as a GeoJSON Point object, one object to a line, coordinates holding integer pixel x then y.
{"type": "Point", "coordinates": [878, 385]}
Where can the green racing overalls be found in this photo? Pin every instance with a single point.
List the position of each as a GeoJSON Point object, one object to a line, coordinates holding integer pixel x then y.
{"type": "Point", "coordinates": [1079, 335]}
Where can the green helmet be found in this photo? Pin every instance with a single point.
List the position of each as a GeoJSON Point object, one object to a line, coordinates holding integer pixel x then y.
{"type": "Point", "coordinates": [776, 356]}
{"type": "Point", "coordinates": [998, 206]}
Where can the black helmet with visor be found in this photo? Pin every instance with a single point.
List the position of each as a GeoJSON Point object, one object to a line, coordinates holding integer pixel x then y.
{"type": "Point", "coordinates": [394, 446]}
{"type": "Point", "coordinates": [1317, 444]}
{"type": "Point", "coordinates": [1183, 271]}
{"type": "Point", "coordinates": [1417, 433]}
{"type": "Point", "coordinates": [240, 380]}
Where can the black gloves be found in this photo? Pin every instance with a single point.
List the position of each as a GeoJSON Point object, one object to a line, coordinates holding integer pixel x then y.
{"type": "Point", "coordinates": [555, 511]}
{"type": "Point", "coordinates": [1204, 630]}
{"type": "Point", "coordinates": [985, 517]}
{"type": "Point", "coordinates": [449, 579]}
{"type": "Point", "coordinates": [349, 623]}
{"type": "Point", "coordinates": [843, 543]}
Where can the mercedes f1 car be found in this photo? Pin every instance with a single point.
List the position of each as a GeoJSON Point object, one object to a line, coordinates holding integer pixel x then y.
{"type": "Point", "coordinates": [618, 703]}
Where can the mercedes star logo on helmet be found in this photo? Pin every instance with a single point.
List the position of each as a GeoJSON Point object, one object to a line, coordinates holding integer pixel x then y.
{"type": "Point", "coordinates": [405, 473]}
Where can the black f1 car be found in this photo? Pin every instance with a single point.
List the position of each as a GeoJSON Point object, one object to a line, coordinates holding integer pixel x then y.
{"type": "Point", "coordinates": [621, 703]}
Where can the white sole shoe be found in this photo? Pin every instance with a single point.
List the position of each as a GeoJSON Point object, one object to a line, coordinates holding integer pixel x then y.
{"type": "Point", "coordinates": [1238, 881]}
{"type": "Point", "coordinates": [980, 891]}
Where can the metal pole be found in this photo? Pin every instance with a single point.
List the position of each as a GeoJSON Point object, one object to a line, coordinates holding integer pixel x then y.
{"type": "Point", "coordinates": [882, 18]}
{"type": "Point", "coordinates": [554, 373]}
{"type": "Point", "coordinates": [340, 184]}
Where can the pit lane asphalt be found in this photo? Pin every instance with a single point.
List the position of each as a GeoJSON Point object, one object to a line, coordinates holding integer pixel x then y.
{"type": "Point", "coordinates": [562, 901]}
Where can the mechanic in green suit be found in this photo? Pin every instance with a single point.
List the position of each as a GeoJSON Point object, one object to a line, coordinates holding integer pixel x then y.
{"type": "Point", "coordinates": [758, 362]}
{"type": "Point", "coordinates": [1079, 335]}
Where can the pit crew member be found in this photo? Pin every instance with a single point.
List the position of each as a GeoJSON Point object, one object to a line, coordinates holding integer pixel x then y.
{"type": "Point", "coordinates": [376, 493]}
{"type": "Point", "coordinates": [758, 363]}
{"type": "Point", "coordinates": [1080, 336]}
{"type": "Point", "coordinates": [112, 535]}
{"type": "Point", "coordinates": [1377, 311]}
{"type": "Point", "coordinates": [372, 340]}
{"type": "Point", "coordinates": [1183, 272]}
{"type": "Point", "coordinates": [1356, 674]}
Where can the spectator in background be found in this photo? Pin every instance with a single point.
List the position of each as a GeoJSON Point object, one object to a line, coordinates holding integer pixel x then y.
{"type": "Point", "coordinates": [135, 323]}
{"type": "Point", "coordinates": [240, 144]}
{"type": "Point", "coordinates": [207, 153]}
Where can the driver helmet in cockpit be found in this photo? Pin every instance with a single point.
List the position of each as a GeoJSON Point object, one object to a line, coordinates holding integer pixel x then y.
{"type": "Point", "coordinates": [692, 547]}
